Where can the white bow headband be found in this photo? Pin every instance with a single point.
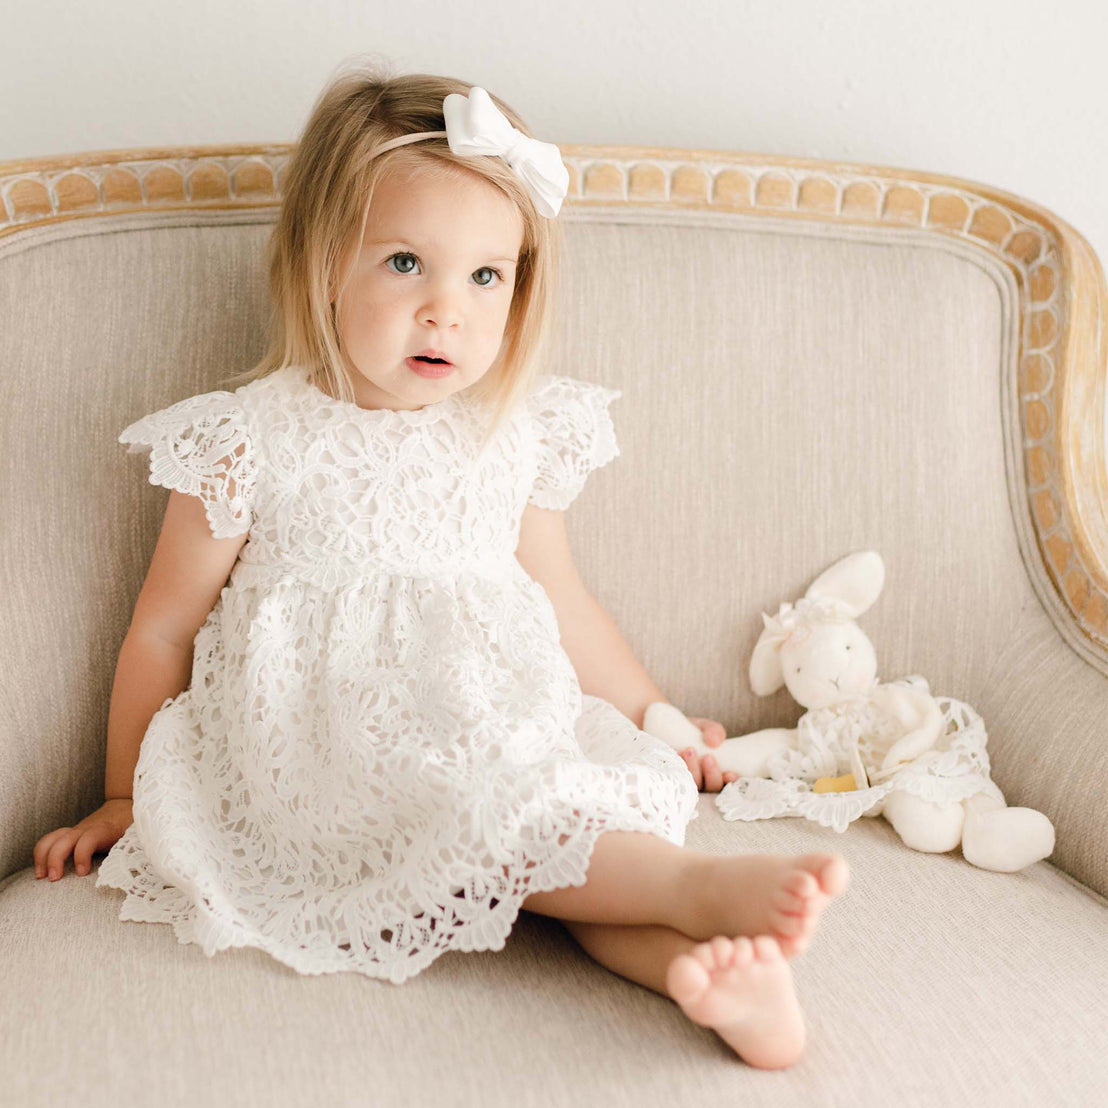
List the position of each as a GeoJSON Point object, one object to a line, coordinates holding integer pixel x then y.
{"type": "Point", "coordinates": [475, 125]}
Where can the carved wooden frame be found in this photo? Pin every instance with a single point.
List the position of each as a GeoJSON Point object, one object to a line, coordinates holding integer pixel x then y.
{"type": "Point", "coordinates": [1061, 287]}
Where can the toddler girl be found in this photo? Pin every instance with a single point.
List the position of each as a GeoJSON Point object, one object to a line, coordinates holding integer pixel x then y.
{"type": "Point", "coordinates": [384, 750]}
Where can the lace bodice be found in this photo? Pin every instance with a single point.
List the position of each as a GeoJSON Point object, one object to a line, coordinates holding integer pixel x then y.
{"type": "Point", "coordinates": [384, 747]}
{"type": "Point", "coordinates": [331, 489]}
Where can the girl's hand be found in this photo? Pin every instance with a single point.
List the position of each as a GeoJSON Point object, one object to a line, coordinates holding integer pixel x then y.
{"type": "Point", "coordinates": [99, 831]}
{"type": "Point", "coordinates": [705, 770]}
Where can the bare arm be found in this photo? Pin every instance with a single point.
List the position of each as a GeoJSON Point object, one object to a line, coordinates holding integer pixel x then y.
{"type": "Point", "coordinates": [187, 572]}
{"type": "Point", "coordinates": [605, 664]}
{"type": "Point", "coordinates": [149, 671]}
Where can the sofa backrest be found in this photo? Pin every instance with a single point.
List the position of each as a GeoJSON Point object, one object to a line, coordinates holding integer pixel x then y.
{"type": "Point", "coordinates": [815, 359]}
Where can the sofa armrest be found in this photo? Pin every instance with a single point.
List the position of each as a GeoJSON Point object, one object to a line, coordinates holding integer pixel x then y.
{"type": "Point", "coordinates": [1046, 712]}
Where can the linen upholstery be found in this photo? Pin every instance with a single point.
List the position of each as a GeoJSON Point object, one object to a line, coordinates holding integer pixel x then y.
{"type": "Point", "coordinates": [930, 983]}
{"type": "Point", "coordinates": [790, 394]}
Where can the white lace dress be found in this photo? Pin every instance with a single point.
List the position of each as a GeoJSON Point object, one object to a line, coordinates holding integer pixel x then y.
{"type": "Point", "coordinates": [383, 748]}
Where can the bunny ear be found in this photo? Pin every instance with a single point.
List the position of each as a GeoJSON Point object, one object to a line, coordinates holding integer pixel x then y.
{"type": "Point", "coordinates": [855, 582]}
{"type": "Point", "coordinates": [766, 674]}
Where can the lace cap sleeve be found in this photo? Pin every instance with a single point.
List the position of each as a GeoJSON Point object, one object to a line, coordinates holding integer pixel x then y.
{"type": "Point", "coordinates": [574, 435]}
{"type": "Point", "coordinates": [201, 446]}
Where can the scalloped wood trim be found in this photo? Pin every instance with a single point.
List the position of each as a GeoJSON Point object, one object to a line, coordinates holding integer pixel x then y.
{"type": "Point", "coordinates": [1061, 285]}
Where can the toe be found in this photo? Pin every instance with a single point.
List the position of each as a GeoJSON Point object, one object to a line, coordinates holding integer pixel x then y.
{"type": "Point", "coordinates": [789, 924]}
{"type": "Point", "coordinates": [722, 949]}
{"type": "Point", "coordinates": [744, 952]}
{"type": "Point", "coordinates": [792, 948]}
{"type": "Point", "coordinates": [802, 884]}
{"type": "Point", "coordinates": [704, 954]}
{"type": "Point", "coordinates": [766, 949]}
{"type": "Point", "coordinates": [686, 979]}
{"type": "Point", "coordinates": [836, 876]}
{"type": "Point", "coordinates": [830, 870]}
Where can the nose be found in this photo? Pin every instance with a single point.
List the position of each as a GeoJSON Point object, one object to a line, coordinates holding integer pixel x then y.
{"type": "Point", "coordinates": [442, 308]}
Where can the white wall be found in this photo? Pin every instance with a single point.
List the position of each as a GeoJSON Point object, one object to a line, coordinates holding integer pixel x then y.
{"type": "Point", "coordinates": [1008, 92]}
{"type": "Point", "coordinates": [1012, 93]}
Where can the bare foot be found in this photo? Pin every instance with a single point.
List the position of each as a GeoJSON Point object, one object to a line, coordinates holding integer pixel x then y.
{"type": "Point", "coordinates": [743, 990]}
{"type": "Point", "coordinates": [765, 894]}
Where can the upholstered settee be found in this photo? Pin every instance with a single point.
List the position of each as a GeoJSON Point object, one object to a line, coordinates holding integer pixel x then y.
{"type": "Point", "coordinates": [815, 358]}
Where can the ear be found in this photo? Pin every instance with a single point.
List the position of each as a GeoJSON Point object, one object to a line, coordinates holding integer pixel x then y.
{"type": "Point", "coordinates": [855, 581]}
{"type": "Point", "coordinates": [766, 675]}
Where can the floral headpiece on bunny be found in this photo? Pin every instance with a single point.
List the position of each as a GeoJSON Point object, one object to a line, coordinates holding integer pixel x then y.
{"type": "Point", "coordinates": [794, 622]}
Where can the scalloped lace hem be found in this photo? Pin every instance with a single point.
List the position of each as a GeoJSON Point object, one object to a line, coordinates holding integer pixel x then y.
{"type": "Point", "coordinates": [214, 932]}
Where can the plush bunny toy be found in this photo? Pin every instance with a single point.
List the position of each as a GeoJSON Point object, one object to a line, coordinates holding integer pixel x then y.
{"type": "Point", "coordinates": [863, 748]}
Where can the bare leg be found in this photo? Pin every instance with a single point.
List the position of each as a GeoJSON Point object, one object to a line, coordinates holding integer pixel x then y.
{"type": "Point", "coordinates": [640, 953]}
{"type": "Point", "coordinates": [741, 990]}
{"type": "Point", "coordinates": [642, 879]}
{"type": "Point", "coordinates": [633, 877]}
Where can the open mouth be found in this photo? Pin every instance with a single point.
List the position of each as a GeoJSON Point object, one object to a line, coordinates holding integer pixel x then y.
{"type": "Point", "coordinates": [426, 366]}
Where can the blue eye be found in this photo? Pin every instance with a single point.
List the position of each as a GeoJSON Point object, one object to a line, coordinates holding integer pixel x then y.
{"type": "Point", "coordinates": [407, 264]}
{"type": "Point", "coordinates": [403, 271]}
{"type": "Point", "coordinates": [489, 284]}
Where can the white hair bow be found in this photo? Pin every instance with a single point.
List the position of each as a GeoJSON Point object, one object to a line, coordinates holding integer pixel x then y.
{"type": "Point", "coordinates": [475, 125]}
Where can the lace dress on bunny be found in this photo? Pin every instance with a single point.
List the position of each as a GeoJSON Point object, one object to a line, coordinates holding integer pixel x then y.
{"type": "Point", "coordinates": [383, 748]}
{"type": "Point", "coordinates": [831, 741]}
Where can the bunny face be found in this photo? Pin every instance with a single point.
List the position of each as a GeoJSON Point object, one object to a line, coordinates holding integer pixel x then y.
{"type": "Point", "coordinates": [815, 647]}
{"type": "Point", "coordinates": [828, 662]}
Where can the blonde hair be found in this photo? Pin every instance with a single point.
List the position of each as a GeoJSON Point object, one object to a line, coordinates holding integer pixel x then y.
{"type": "Point", "coordinates": [328, 187]}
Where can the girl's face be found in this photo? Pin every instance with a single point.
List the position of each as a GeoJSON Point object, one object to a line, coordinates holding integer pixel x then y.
{"type": "Point", "coordinates": [435, 272]}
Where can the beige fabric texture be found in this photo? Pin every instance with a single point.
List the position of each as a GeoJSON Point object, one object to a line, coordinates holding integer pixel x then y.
{"type": "Point", "coordinates": [790, 395]}
{"type": "Point", "coordinates": [930, 983]}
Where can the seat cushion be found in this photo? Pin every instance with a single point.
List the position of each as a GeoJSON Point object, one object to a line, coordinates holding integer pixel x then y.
{"type": "Point", "coordinates": [930, 981]}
